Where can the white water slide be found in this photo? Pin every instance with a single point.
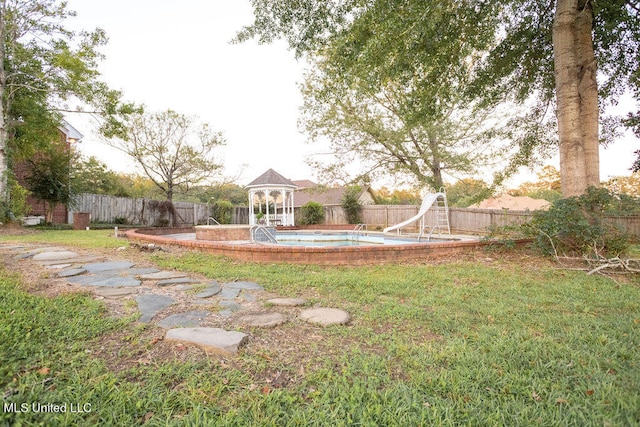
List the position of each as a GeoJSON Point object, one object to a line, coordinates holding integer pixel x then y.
{"type": "Point", "coordinates": [437, 201]}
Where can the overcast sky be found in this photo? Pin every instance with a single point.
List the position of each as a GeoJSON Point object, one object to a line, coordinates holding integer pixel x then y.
{"type": "Point", "coordinates": [176, 55]}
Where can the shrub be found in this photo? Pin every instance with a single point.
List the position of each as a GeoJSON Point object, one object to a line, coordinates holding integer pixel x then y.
{"type": "Point", "coordinates": [222, 211]}
{"type": "Point", "coordinates": [311, 213]}
{"type": "Point", "coordinates": [576, 226]}
{"type": "Point", "coordinates": [351, 204]}
{"type": "Point", "coordinates": [120, 220]}
{"type": "Point", "coordinates": [17, 205]}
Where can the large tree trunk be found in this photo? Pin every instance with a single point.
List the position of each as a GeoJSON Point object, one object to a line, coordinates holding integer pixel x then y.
{"type": "Point", "coordinates": [4, 133]}
{"type": "Point", "coordinates": [577, 96]}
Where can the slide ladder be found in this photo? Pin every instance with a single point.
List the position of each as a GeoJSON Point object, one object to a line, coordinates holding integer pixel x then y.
{"type": "Point", "coordinates": [437, 203]}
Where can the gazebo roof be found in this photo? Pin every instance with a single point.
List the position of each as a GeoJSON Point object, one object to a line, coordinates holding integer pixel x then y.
{"type": "Point", "coordinates": [271, 178]}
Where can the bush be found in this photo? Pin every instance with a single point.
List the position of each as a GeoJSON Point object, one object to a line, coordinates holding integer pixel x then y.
{"type": "Point", "coordinates": [17, 206]}
{"type": "Point", "coordinates": [222, 211]}
{"type": "Point", "coordinates": [576, 226]}
{"type": "Point", "coordinates": [351, 204]}
{"type": "Point", "coordinates": [311, 213]}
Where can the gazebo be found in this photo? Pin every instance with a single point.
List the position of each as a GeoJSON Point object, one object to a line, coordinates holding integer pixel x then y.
{"type": "Point", "coordinates": [271, 191]}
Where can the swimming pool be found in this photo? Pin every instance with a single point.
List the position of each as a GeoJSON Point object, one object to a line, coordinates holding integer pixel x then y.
{"type": "Point", "coordinates": [329, 238]}
{"type": "Point", "coordinates": [234, 242]}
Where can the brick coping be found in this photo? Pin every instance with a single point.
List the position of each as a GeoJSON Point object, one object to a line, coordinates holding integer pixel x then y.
{"type": "Point", "coordinates": [321, 255]}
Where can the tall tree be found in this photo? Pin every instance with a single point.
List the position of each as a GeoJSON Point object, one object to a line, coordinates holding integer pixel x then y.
{"type": "Point", "coordinates": [44, 66]}
{"type": "Point", "coordinates": [50, 177]}
{"type": "Point", "coordinates": [175, 151]}
{"type": "Point", "coordinates": [539, 52]}
{"type": "Point", "coordinates": [382, 116]}
{"type": "Point", "coordinates": [90, 175]}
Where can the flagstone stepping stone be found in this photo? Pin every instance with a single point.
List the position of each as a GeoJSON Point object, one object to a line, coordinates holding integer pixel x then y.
{"type": "Point", "coordinates": [71, 272]}
{"type": "Point", "coordinates": [228, 293]}
{"type": "Point", "coordinates": [263, 320]}
{"type": "Point", "coordinates": [183, 320]}
{"type": "Point", "coordinates": [151, 304]}
{"type": "Point", "coordinates": [214, 339]}
{"type": "Point", "coordinates": [115, 281]}
{"type": "Point", "coordinates": [209, 291]}
{"type": "Point", "coordinates": [325, 316]}
{"type": "Point", "coordinates": [127, 271]}
{"type": "Point", "coordinates": [230, 305]}
{"type": "Point", "coordinates": [12, 247]}
{"type": "Point", "coordinates": [58, 266]}
{"type": "Point", "coordinates": [245, 286]}
{"type": "Point", "coordinates": [107, 265]}
{"type": "Point", "coordinates": [46, 249]}
{"type": "Point", "coordinates": [54, 256]}
{"type": "Point", "coordinates": [177, 281]}
{"type": "Point", "coordinates": [115, 292]}
{"type": "Point", "coordinates": [162, 275]}
{"type": "Point", "coordinates": [288, 301]}
{"type": "Point", "coordinates": [248, 297]}
{"type": "Point", "coordinates": [76, 261]}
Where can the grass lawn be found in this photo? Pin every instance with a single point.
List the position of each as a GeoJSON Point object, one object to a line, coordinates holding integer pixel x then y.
{"type": "Point", "coordinates": [488, 339]}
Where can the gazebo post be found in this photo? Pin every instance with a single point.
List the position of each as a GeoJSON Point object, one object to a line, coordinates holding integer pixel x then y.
{"type": "Point", "coordinates": [267, 207]}
{"type": "Point", "coordinates": [268, 182]}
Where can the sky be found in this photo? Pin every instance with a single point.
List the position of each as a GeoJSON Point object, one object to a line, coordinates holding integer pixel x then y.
{"type": "Point", "coordinates": [175, 55]}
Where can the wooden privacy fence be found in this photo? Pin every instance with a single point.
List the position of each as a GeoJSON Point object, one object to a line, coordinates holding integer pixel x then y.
{"type": "Point", "coordinates": [124, 210]}
{"type": "Point", "coordinates": [135, 211]}
{"type": "Point", "coordinates": [462, 220]}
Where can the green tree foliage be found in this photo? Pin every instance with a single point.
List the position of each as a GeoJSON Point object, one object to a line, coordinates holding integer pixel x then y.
{"type": "Point", "coordinates": [547, 186]}
{"type": "Point", "coordinates": [49, 177]}
{"type": "Point", "coordinates": [173, 150]}
{"type": "Point", "coordinates": [351, 204]}
{"type": "Point", "coordinates": [311, 213]}
{"type": "Point", "coordinates": [233, 193]}
{"type": "Point", "coordinates": [374, 122]}
{"type": "Point", "coordinates": [222, 211]}
{"type": "Point", "coordinates": [17, 206]}
{"type": "Point", "coordinates": [89, 175]}
{"type": "Point", "coordinates": [511, 43]}
{"type": "Point", "coordinates": [625, 185]}
{"type": "Point", "coordinates": [465, 192]}
{"type": "Point", "coordinates": [384, 196]}
{"type": "Point", "coordinates": [139, 186]}
{"type": "Point", "coordinates": [633, 121]}
{"type": "Point", "coordinates": [43, 68]}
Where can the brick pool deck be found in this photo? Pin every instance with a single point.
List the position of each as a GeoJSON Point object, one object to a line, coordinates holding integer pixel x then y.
{"type": "Point", "coordinates": [338, 255]}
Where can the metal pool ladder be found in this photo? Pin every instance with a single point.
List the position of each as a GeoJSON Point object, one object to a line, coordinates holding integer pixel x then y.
{"type": "Point", "coordinates": [261, 230]}
{"type": "Point", "coordinates": [360, 228]}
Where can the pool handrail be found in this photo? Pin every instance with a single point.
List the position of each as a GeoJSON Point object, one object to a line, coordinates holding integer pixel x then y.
{"type": "Point", "coordinates": [265, 231]}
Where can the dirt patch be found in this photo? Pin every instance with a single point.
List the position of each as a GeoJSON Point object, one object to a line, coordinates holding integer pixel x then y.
{"type": "Point", "coordinates": [14, 229]}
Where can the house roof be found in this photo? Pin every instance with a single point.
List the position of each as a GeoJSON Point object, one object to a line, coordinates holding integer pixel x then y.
{"type": "Point", "coordinates": [326, 196]}
{"type": "Point", "coordinates": [271, 178]}
{"type": "Point", "coordinates": [507, 201]}
{"type": "Point", "coordinates": [304, 183]}
{"type": "Point", "coordinates": [70, 131]}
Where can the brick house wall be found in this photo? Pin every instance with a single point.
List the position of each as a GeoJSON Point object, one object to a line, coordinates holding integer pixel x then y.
{"type": "Point", "coordinates": [35, 205]}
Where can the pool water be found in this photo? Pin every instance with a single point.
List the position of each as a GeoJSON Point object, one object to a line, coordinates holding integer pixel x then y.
{"type": "Point", "coordinates": [337, 239]}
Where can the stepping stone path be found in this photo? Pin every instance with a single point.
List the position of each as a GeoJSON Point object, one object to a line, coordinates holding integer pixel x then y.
{"type": "Point", "coordinates": [293, 302]}
{"type": "Point", "coordinates": [186, 306]}
{"type": "Point", "coordinates": [54, 256]}
{"type": "Point", "coordinates": [263, 320]}
{"type": "Point", "coordinates": [325, 316]}
{"type": "Point", "coordinates": [216, 339]}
